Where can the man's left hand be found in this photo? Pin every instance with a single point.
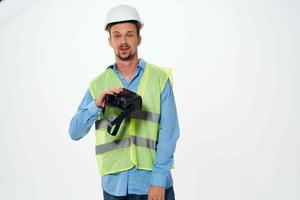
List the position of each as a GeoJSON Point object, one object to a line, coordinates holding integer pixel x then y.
{"type": "Point", "coordinates": [156, 193]}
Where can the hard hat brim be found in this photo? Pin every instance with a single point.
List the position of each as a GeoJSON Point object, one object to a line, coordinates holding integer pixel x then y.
{"type": "Point", "coordinates": [140, 24]}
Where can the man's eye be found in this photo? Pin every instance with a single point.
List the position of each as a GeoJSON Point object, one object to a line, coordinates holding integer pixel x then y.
{"type": "Point", "coordinates": [116, 36]}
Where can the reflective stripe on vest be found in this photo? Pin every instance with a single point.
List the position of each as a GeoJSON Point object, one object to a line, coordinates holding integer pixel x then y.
{"type": "Point", "coordinates": [138, 141]}
{"type": "Point", "coordinates": [148, 116]}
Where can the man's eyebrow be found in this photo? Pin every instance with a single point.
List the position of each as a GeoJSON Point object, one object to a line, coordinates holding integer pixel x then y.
{"type": "Point", "coordinates": [118, 32]}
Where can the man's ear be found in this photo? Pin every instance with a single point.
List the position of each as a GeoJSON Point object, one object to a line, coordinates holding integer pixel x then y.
{"type": "Point", "coordinates": [109, 41]}
{"type": "Point", "coordinates": [139, 39]}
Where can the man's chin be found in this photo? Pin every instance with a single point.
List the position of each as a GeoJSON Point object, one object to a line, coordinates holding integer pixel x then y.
{"type": "Point", "coordinates": [125, 58]}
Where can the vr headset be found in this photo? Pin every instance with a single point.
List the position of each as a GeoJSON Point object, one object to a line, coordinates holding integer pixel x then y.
{"type": "Point", "coordinates": [126, 101]}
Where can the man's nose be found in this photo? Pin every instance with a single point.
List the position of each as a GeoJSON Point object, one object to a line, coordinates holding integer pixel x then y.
{"type": "Point", "coordinates": [123, 39]}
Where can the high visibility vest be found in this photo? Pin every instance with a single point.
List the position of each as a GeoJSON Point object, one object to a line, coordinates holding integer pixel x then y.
{"type": "Point", "coordinates": [136, 140]}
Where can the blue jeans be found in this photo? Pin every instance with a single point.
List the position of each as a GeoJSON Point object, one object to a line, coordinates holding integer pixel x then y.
{"type": "Point", "coordinates": [169, 195]}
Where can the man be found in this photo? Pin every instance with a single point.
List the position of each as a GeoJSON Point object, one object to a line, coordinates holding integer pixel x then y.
{"type": "Point", "coordinates": [137, 162]}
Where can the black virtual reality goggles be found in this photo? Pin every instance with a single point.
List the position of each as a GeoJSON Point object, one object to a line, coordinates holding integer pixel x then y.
{"type": "Point", "coordinates": [126, 101]}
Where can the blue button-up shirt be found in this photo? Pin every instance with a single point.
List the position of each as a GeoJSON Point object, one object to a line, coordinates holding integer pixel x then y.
{"type": "Point", "coordinates": [135, 181]}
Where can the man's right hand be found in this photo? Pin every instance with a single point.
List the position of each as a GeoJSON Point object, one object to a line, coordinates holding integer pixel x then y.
{"type": "Point", "coordinates": [100, 100]}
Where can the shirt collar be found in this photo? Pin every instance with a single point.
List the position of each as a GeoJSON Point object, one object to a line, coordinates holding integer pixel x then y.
{"type": "Point", "coordinates": [142, 64]}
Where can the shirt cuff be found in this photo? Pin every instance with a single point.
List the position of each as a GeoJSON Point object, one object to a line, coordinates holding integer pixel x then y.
{"type": "Point", "coordinates": [93, 109]}
{"type": "Point", "coordinates": [158, 179]}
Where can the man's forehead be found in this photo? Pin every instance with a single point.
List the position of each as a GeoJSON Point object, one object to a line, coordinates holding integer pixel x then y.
{"type": "Point", "coordinates": [123, 30]}
{"type": "Point", "coordinates": [123, 27]}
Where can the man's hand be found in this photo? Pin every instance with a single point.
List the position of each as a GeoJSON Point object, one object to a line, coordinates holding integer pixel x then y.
{"type": "Point", "coordinates": [100, 99]}
{"type": "Point", "coordinates": [156, 193]}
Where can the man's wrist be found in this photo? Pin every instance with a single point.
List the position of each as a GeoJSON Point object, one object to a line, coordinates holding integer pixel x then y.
{"type": "Point", "coordinates": [93, 108]}
{"type": "Point", "coordinates": [158, 179]}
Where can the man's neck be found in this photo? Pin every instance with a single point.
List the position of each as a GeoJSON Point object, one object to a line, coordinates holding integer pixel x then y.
{"type": "Point", "coordinates": [127, 68]}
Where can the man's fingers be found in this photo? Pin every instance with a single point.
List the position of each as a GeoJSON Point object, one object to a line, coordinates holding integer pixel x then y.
{"type": "Point", "coordinates": [100, 100]}
{"type": "Point", "coordinates": [117, 89]}
{"type": "Point", "coordinates": [156, 198]}
{"type": "Point", "coordinates": [113, 90]}
{"type": "Point", "coordinates": [156, 193]}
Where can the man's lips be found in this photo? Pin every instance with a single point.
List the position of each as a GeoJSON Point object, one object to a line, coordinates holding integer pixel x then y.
{"type": "Point", "coordinates": [124, 48]}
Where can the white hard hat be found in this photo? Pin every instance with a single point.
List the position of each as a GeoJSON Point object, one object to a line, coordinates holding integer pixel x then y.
{"type": "Point", "coordinates": [122, 13]}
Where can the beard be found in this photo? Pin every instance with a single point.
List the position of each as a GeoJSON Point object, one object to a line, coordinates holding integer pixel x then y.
{"type": "Point", "coordinates": [123, 56]}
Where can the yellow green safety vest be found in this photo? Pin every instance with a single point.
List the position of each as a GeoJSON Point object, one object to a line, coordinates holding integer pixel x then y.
{"type": "Point", "coordinates": [136, 140]}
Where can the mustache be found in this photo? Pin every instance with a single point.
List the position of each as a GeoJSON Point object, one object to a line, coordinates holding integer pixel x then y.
{"type": "Point", "coordinates": [124, 45]}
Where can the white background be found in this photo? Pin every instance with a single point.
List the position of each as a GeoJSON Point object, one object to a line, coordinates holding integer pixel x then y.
{"type": "Point", "coordinates": [236, 71]}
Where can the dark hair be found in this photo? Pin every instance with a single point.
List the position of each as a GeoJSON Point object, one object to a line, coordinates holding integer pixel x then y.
{"type": "Point", "coordinates": [136, 23]}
